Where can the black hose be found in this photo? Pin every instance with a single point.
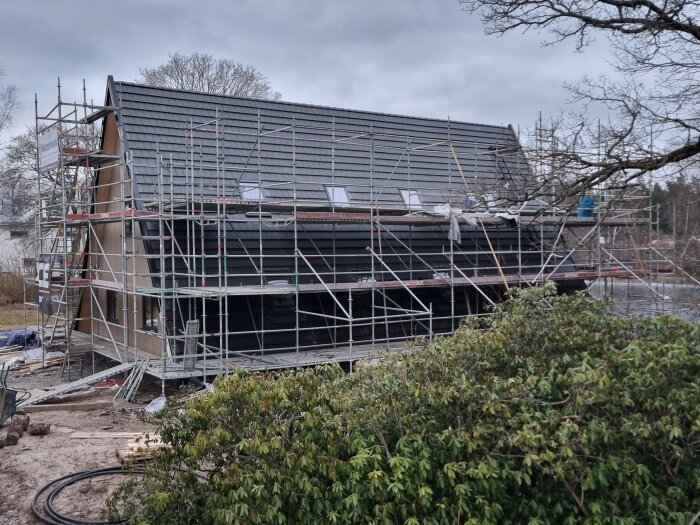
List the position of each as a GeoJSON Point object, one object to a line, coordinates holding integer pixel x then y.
{"type": "Point", "coordinates": [53, 488]}
{"type": "Point", "coordinates": [26, 395]}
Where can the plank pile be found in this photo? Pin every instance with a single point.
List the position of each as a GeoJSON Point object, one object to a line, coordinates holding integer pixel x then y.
{"type": "Point", "coordinates": [28, 361]}
{"type": "Point", "coordinates": [8, 352]}
{"type": "Point", "coordinates": [141, 448]}
{"type": "Point", "coordinates": [11, 348]}
{"type": "Point", "coordinates": [32, 365]}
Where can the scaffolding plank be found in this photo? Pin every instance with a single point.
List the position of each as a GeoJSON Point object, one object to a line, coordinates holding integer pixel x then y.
{"type": "Point", "coordinates": [111, 215]}
{"type": "Point", "coordinates": [267, 289]}
{"type": "Point", "coordinates": [571, 222]}
{"type": "Point", "coordinates": [319, 212]}
{"type": "Point", "coordinates": [77, 385]}
{"type": "Point", "coordinates": [408, 219]}
{"type": "Point", "coordinates": [415, 283]}
{"type": "Point", "coordinates": [487, 219]}
{"type": "Point", "coordinates": [232, 205]}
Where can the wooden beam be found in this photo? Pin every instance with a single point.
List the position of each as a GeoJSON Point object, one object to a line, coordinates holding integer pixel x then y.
{"type": "Point", "coordinates": [108, 435]}
{"type": "Point", "coordinates": [67, 407]}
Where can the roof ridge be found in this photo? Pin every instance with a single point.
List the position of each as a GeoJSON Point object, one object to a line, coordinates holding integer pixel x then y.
{"type": "Point", "coordinates": [315, 106]}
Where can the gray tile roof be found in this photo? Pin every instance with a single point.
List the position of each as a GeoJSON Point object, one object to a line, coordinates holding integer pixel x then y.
{"type": "Point", "coordinates": [157, 121]}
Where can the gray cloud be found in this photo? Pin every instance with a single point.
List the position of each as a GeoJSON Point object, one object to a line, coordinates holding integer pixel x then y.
{"type": "Point", "coordinates": [423, 57]}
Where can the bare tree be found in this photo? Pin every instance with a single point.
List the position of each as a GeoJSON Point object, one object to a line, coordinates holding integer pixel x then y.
{"type": "Point", "coordinates": [8, 104]}
{"type": "Point", "coordinates": [18, 197]}
{"type": "Point", "coordinates": [679, 214]}
{"type": "Point", "coordinates": [21, 154]}
{"type": "Point", "coordinates": [16, 188]}
{"type": "Point", "coordinates": [18, 176]}
{"type": "Point", "coordinates": [654, 115]}
{"type": "Point", "coordinates": [18, 166]}
{"type": "Point", "coordinates": [203, 72]}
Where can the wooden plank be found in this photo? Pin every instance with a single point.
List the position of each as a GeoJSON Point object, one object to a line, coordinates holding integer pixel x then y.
{"type": "Point", "coordinates": [106, 435]}
{"type": "Point", "coordinates": [9, 355]}
{"type": "Point", "coordinates": [68, 407]}
{"type": "Point", "coordinates": [12, 348]}
{"type": "Point", "coordinates": [110, 215]}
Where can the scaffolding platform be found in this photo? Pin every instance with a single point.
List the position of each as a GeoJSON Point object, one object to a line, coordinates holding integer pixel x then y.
{"type": "Point", "coordinates": [173, 368]}
{"type": "Point", "coordinates": [273, 289]}
{"type": "Point", "coordinates": [110, 216]}
{"type": "Point", "coordinates": [485, 219]}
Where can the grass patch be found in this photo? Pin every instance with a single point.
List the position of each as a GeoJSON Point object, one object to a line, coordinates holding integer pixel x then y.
{"type": "Point", "coordinates": [12, 316]}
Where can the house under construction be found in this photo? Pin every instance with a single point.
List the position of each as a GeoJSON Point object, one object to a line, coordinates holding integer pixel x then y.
{"type": "Point", "coordinates": [206, 232]}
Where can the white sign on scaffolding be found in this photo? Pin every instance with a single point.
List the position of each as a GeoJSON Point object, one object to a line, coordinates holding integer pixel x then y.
{"type": "Point", "coordinates": [48, 150]}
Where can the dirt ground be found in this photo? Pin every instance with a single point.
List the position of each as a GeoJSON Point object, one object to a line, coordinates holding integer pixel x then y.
{"type": "Point", "coordinates": [37, 460]}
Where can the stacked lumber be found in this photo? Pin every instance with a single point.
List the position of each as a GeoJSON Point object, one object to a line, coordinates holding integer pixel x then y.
{"type": "Point", "coordinates": [29, 361]}
{"type": "Point", "coordinates": [32, 365]}
{"type": "Point", "coordinates": [11, 348]}
{"type": "Point", "coordinates": [141, 448]}
{"type": "Point", "coordinates": [7, 356]}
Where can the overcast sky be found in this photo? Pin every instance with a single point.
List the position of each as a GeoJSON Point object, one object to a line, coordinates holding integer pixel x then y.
{"type": "Point", "coordinates": [418, 57]}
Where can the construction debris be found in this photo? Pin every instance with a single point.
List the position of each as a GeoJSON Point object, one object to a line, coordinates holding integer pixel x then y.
{"type": "Point", "coordinates": [33, 365]}
{"type": "Point", "coordinates": [18, 426]}
{"type": "Point", "coordinates": [141, 448]}
{"type": "Point", "coordinates": [12, 437]}
{"type": "Point", "coordinates": [156, 405]}
{"type": "Point", "coordinates": [30, 360]}
{"type": "Point", "coordinates": [22, 421]}
{"type": "Point", "coordinates": [39, 429]}
{"type": "Point", "coordinates": [12, 359]}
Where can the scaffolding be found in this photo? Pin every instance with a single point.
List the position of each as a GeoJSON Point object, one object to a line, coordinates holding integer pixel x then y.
{"type": "Point", "coordinates": [63, 186]}
{"type": "Point", "coordinates": [170, 270]}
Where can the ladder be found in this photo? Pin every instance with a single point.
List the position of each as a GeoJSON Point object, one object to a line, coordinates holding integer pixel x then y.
{"type": "Point", "coordinates": [128, 390]}
{"type": "Point", "coordinates": [63, 267]}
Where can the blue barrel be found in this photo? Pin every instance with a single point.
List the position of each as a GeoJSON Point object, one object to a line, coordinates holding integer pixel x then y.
{"type": "Point", "coordinates": [585, 206]}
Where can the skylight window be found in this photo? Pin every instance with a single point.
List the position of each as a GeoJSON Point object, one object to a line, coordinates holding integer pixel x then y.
{"type": "Point", "coordinates": [251, 192]}
{"type": "Point", "coordinates": [337, 195]}
{"type": "Point", "coordinates": [411, 199]}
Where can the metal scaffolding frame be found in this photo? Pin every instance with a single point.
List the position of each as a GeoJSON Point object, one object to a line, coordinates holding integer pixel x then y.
{"type": "Point", "coordinates": [70, 244]}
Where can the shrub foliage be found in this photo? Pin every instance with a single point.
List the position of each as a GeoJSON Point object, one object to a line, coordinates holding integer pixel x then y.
{"type": "Point", "coordinates": [551, 411]}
